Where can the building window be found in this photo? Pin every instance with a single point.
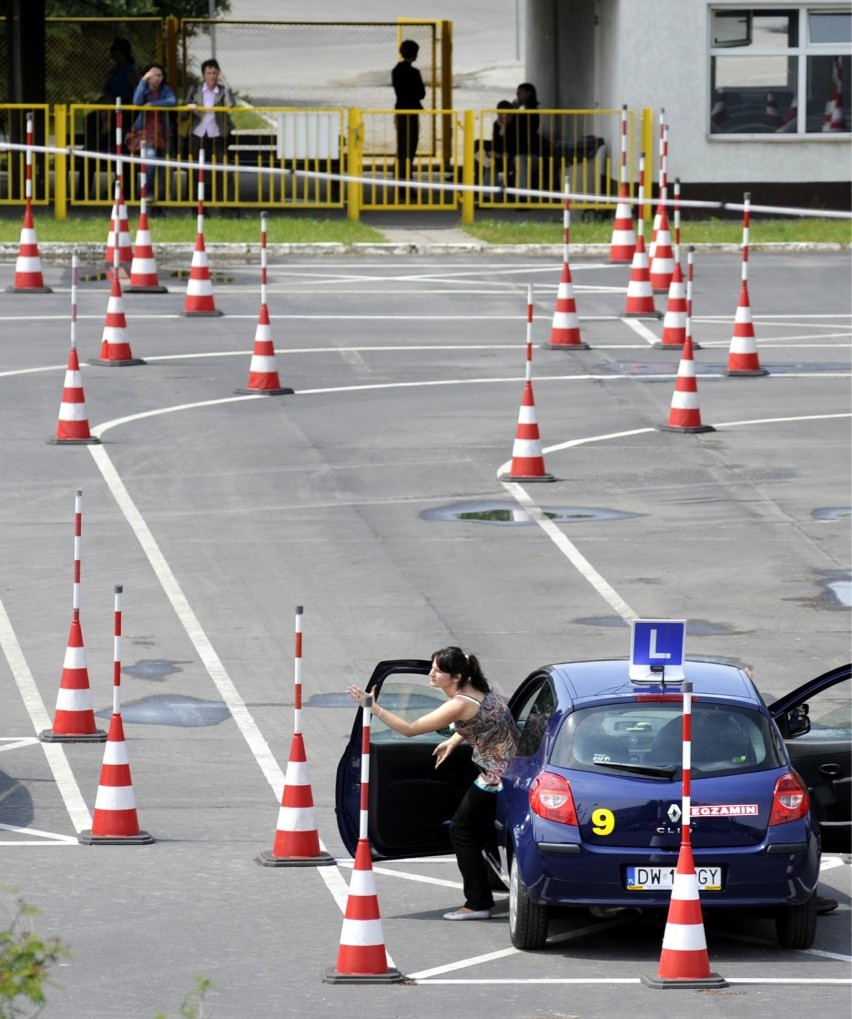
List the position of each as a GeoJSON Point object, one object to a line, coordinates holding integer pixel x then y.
{"type": "Point", "coordinates": [780, 70]}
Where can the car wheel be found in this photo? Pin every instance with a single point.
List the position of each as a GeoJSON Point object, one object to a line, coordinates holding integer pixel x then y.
{"type": "Point", "coordinates": [527, 919]}
{"type": "Point", "coordinates": [795, 926]}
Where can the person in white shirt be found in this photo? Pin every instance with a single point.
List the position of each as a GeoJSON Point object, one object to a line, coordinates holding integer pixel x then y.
{"type": "Point", "coordinates": [208, 103]}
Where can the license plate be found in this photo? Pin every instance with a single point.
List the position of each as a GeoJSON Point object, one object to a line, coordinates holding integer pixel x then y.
{"type": "Point", "coordinates": [650, 879]}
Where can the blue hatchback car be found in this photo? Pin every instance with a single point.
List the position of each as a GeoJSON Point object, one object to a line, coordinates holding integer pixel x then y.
{"type": "Point", "coordinates": [590, 811]}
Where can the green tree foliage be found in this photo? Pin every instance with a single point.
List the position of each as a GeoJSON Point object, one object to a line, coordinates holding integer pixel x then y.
{"type": "Point", "coordinates": [134, 8]}
{"type": "Point", "coordinates": [25, 963]}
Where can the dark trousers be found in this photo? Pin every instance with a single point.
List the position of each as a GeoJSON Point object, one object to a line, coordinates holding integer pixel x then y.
{"type": "Point", "coordinates": [407, 137]}
{"type": "Point", "coordinates": [471, 830]}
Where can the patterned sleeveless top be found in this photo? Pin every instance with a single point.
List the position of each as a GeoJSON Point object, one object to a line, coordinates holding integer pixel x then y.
{"type": "Point", "coordinates": [492, 734]}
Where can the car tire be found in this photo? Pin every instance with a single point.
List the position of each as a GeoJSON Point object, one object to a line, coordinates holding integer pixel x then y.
{"type": "Point", "coordinates": [795, 926]}
{"type": "Point", "coordinates": [527, 919]}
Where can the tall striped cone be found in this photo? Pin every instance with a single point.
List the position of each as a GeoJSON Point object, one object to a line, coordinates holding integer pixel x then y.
{"type": "Point", "coordinates": [143, 269]}
{"type": "Point", "coordinates": [296, 841]}
{"type": "Point", "coordinates": [623, 242]}
{"type": "Point", "coordinates": [115, 821]}
{"type": "Point", "coordinates": [74, 717]}
{"type": "Point", "coordinates": [685, 415]}
{"type": "Point", "coordinates": [742, 356]}
{"type": "Point", "coordinates": [662, 263]}
{"type": "Point", "coordinates": [28, 275]}
{"type": "Point", "coordinates": [527, 456]}
{"type": "Point", "coordinates": [674, 320]}
{"type": "Point", "coordinates": [115, 347]}
{"type": "Point", "coordinates": [199, 287]}
{"type": "Point", "coordinates": [565, 330]}
{"type": "Point", "coordinates": [684, 961]}
{"type": "Point", "coordinates": [362, 957]}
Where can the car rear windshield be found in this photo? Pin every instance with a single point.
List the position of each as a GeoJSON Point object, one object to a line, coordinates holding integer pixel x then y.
{"type": "Point", "coordinates": [725, 739]}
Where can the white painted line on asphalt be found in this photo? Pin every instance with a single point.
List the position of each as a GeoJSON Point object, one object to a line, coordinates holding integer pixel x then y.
{"type": "Point", "coordinates": [49, 837]}
{"type": "Point", "coordinates": [66, 784]}
{"type": "Point", "coordinates": [641, 330]}
{"type": "Point", "coordinates": [16, 742]}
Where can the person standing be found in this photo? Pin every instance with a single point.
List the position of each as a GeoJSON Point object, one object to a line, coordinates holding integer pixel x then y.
{"type": "Point", "coordinates": [480, 717]}
{"type": "Point", "coordinates": [410, 91]}
{"type": "Point", "coordinates": [155, 126]}
{"type": "Point", "coordinates": [209, 102]}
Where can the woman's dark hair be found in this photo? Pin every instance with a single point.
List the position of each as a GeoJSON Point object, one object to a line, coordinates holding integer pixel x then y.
{"type": "Point", "coordinates": [122, 47]}
{"type": "Point", "coordinates": [531, 102]}
{"type": "Point", "coordinates": [159, 68]}
{"type": "Point", "coordinates": [457, 663]}
{"type": "Point", "coordinates": [408, 49]}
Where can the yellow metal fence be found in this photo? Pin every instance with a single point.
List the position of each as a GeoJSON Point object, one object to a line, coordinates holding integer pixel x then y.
{"type": "Point", "coordinates": [323, 158]}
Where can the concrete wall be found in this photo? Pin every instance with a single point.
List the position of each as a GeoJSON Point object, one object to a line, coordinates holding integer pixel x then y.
{"type": "Point", "coordinates": [655, 54]}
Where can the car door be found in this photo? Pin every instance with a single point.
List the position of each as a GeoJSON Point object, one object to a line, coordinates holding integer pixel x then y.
{"type": "Point", "coordinates": [816, 723]}
{"type": "Point", "coordinates": [410, 802]}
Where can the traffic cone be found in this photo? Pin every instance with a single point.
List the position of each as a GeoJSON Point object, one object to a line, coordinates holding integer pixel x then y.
{"type": "Point", "coordinates": [143, 268]}
{"type": "Point", "coordinates": [119, 236]}
{"type": "Point", "coordinates": [263, 373]}
{"type": "Point", "coordinates": [623, 242]}
{"type": "Point", "coordinates": [772, 115]}
{"type": "Point", "coordinates": [790, 118]}
{"type": "Point", "coordinates": [837, 120]}
{"type": "Point", "coordinates": [74, 718]}
{"type": "Point", "coordinates": [685, 415]}
{"type": "Point", "coordinates": [115, 347]}
{"type": "Point", "coordinates": [296, 838]}
{"type": "Point", "coordinates": [674, 321]}
{"type": "Point", "coordinates": [362, 957]}
{"type": "Point", "coordinates": [742, 356]}
{"type": "Point", "coordinates": [527, 457]}
{"type": "Point", "coordinates": [684, 961]}
{"type": "Point", "coordinates": [640, 296]}
{"type": "Point", "coordinates": [28, 274]}
{"type": "Point", "coordinates": [565, 330]}
{"type": "Point", "coordinates": [199, 287]}
{"type": "Point", "coordinates": [662, 262]}
{"type": "Point", "coordinates": [115, 821]}
{"type": "Point", "coordinates": [73, 424]}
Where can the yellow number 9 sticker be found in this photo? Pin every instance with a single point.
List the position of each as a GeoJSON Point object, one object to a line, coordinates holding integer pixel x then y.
{"type": "Point", "coordinates": [603, 821]}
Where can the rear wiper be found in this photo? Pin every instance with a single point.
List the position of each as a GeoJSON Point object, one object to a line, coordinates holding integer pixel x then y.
{"type": "Point", "coordinates": [666, 772]}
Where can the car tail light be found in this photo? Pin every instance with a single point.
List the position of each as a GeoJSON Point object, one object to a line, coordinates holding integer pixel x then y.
{"type": "Point", "coordinates": [790, 800]}
{"type": "Point", "coordinates": [550, 798]}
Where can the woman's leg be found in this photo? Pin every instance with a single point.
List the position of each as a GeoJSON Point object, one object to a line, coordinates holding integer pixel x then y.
{"type": "Point", "coordinates": [470, 831]}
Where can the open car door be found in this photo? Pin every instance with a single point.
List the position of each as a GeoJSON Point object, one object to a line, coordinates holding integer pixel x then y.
{"type": "Point", "coordinates": [816, 723]}
{"type": "Point", "coordinates": [410, 801]}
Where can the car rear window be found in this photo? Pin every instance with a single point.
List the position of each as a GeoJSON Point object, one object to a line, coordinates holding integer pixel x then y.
{"type": "Point", "coordinates": [725, 739]}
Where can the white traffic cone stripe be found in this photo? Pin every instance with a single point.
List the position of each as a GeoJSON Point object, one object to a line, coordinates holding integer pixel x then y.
{"type": "Point", "coordinates": [564, 319]}
{"type": "Point", "coordinates": [297, 773]}
{"type": "Point", "coordinates": [684, 937]}
{"type": "Point", "coordinates": [363, 883]}
{"type": "Point", "coordinates": [115, 752]}
{"type": "Point", "coordinates": [362, 933]}
{"type": "Point", "coordinates": [526, 415]}
{"type": "Point", "coordinates": [73, 379]}
{"type": "Point", "coordinates": [115, 797]}
{"type": "Point", "coordinates": [686, 368]}
{"type": "Point", "coordinates": [262, 365]}
{"type": "Point", "coordinates": [113, 334]}
{"type": "Point", "coordinates": [27, 264]}
{"type": "Point", "coordinates": [72, 412]}
{"type": "Point", "coordinates": [526, 448]}
{"type": "Point", "coordinates": [743, 345]}
{"type": "Point", "coordinates": [199, 288]}
{"type": "Point", "coordinates": [296, 819]}
{"type": "Point", "coordinates": [73, 700]}
{"type": "Point", "coordinates": [684, 401]}
{"type": "Point", "coordinates": [75, 657]}
{"type": "Point", "coordinates": [144, 266]}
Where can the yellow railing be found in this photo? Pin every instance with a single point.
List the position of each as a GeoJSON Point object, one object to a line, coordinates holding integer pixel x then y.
{"type": "Point", "coordinates": [324, 158]}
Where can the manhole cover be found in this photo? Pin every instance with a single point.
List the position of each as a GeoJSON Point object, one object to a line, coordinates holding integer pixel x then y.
{"type": "Point", "coordinates": [505, 512]}
{"type": "Point", "coordinates": [172, 709]}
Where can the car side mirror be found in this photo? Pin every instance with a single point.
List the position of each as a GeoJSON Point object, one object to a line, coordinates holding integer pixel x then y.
{"type": "Point", "coordinates": [798, 722]}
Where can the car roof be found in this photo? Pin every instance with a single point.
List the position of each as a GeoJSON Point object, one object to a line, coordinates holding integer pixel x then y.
{"type": "Point", "coordinates": [605, 680]}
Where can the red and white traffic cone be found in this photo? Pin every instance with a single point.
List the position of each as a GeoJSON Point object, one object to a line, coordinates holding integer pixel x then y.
{"type": "Point", "coordinates": [640, 296]}
{"type": "Point", "coordinates": [674, 320]}
{"type": "Point", "coordinates": [685, 415]}
{"type": "Point", "coordinates": [362, 957]}
{"type": "Point", "coordinates": [623, 242]}
{"type": "Point", "coordinates": [742, 356]}
{"type": "Point", "coordinates": [263, 372]}
{"type": "Point", "coordinates": [115, 347]}
{"type": "Point", "coordinates": [119, 247]}
{"type": "Point", "coordinates": [73, 423]}
{"type": "Point", "coordinates": [527, 457]}
{"type": "Point", "coordinates": [115, 821]}
{"type": "Point", "coordinates": [199, 287]}
{"type": "Point", "coordinates": [28, 274]}
{"type": "Point", "coordinates": [772, 114]}
{"type": "Point", "coordinates": [684, 961]}
{"type": "Point", "coordinates": [662, 264]}
{"type": "Point", "coordinates": [296, 841]}
{"type": "Point", "coordinates": [144, 278]}
{"type": "Point", "coordinates": [565, 330]}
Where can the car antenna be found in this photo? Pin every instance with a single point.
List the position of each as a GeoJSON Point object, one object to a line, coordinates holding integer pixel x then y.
{"type": "Point", "coordinates": [661, 669]}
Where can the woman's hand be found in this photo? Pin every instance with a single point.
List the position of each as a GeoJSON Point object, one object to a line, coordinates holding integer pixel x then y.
{"type": "Point", "coordinates": [357, 694]}
{"type": "Point", "coordinates": [443, 750]}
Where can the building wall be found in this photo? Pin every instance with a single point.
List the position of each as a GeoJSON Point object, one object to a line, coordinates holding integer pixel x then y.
{"type": "Point", "coordinates": [615, 52]}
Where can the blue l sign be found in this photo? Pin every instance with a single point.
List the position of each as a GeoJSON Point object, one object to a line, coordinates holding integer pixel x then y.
{"type": "Point", "coordinates": [657, 649]}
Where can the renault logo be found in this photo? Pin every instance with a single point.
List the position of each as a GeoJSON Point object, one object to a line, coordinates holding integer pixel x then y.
{"type": "Point", "coordinates": [673, 813]}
